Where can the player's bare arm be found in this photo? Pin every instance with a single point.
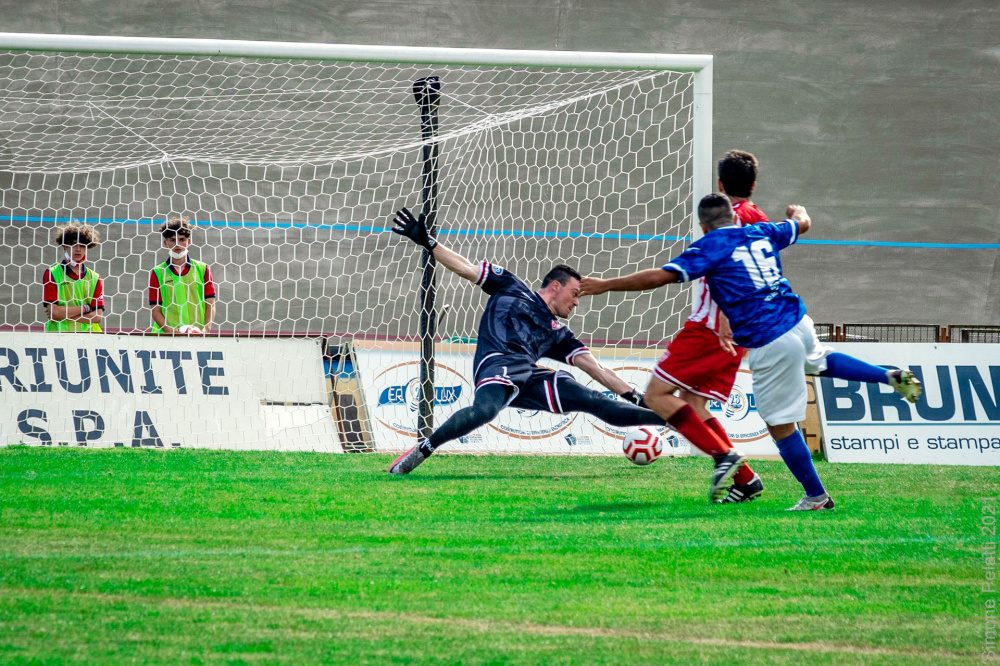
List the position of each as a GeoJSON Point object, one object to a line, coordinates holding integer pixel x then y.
{"type": "Point", "coordinates": [648, 279]}
{"type": "Point", "coordinates": [799, 214]}
{"type": "Point", "coordinates": [415, 228]}
{"type": "Point", "coordinates": [601, 373]}
{"type": "Point", "coordinates": [456, 263]}
{"type": "Point", "coordinates": [209, 315]}
{"type": "Point", "coordinates": [607, 377]}
{"type": "Point", "coordinates": [726, 335]}
{"type": "Point", "coordinates": [83, 313]}
{"type": "Point", "coordinates": [61, 312]}
{"type": "Point", "coordinates": [161, 320]}
{"type": "Point", "coordinates": [95, 316]}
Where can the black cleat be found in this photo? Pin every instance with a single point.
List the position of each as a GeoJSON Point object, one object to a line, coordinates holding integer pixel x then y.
{"type": "Point", "coordinates": [745, 492]}
{"type": "Point", "coordinates": [725, 467]}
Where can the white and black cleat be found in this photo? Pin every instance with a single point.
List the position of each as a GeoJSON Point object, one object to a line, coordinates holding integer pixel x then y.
{"type": "Point", "coordinates": [725, 467]}
{"type": "Point", "coordinates": [744, 492]}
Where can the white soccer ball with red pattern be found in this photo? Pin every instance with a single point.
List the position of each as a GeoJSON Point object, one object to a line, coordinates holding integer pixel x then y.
{"type": "Point", "coordinates": [642, 445]}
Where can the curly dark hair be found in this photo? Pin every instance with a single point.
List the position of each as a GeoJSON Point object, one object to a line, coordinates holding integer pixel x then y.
{"type": "Point", "coordinates": [76, 233]}
{"type": "Point", "coordinates": [176, 226]}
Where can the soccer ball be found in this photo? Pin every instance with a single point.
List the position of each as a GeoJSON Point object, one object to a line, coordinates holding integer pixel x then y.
{"type": "Point", "coordinates": [642, 445]}
{"type": "Point", "coordinates": [189, 329]}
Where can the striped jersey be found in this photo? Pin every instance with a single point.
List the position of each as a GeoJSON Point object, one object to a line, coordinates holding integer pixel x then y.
{"type": "Point", "coordinates": [705, 310]}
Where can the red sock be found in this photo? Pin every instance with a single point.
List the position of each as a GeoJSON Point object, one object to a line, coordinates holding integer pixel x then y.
{"type": "Point", "coordinates": [687, 423]}
{"type": "Point", "coordinates": [745, 474]}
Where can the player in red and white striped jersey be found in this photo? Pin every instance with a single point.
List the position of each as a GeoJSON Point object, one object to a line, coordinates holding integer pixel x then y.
{"type": "Point", "coordinates": [701, 362]}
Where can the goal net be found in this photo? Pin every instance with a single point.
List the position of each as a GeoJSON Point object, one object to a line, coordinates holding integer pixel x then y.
{"type": "Point", "coordinates": [290, 160]}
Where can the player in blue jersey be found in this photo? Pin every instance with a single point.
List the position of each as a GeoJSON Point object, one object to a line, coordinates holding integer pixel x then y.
{"type": "Point", "coordinates": [743, 270]}
{"type": "Point", "coordinates": [519, 327]}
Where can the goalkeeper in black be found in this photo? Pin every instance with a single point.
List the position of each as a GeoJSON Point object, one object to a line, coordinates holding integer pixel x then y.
{"type": "Point", "coordinates": [519, 327]}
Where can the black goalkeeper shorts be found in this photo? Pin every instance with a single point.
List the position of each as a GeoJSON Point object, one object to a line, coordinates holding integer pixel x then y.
{"type": "Point", "coordinates": [533, 387]}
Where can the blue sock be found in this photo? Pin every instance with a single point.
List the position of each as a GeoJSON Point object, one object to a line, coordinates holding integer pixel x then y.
{"type": "Point", "coordinates": [847, 367]}
{"type": "Point", "coordinates": [797, 457]}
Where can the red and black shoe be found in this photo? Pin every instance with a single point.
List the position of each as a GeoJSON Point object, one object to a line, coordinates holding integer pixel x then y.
{"type": "Point", "coordinates": [408, 462]}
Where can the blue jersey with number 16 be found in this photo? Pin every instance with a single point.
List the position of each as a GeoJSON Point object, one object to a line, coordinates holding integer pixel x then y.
{"type": "Point", "coordinates": [743, 270]}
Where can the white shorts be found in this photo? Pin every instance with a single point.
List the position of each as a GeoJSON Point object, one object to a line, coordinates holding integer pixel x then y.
{"type": "Point", "coordinates": [779, 373]}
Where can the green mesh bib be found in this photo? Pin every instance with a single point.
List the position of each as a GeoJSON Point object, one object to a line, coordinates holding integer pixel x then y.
{"type": "Point", "coordinates": [73, 293]}
{"type": "Point", "coordinates": [182, 296]}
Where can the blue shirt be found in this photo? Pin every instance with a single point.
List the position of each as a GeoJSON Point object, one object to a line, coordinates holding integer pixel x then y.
{"type": "Point", "coordinates": [743, 270]}
{"type": "Point", "coordinates": [517, 323]}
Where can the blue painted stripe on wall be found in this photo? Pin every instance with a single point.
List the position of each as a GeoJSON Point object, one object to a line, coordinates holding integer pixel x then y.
{"type": "Point", "coordinates": [491, 232]}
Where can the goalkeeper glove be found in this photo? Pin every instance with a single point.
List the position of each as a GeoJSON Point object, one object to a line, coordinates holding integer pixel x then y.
{"type": "Point", "coordinates": [636, 398]}
{"type": "Point", "coordinates": [414, 228]}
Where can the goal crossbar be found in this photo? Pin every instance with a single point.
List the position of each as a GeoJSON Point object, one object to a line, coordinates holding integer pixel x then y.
{"type": "Point", "coordinates": [353, 52]}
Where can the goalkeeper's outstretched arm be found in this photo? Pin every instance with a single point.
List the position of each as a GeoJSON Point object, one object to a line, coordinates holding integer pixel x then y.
{"type": "Point", "coordinates": [456, 263]}
{"type": "Point", "coordinates": [415, 228]}
{"type": "Point", "coordinates": [607, 376]}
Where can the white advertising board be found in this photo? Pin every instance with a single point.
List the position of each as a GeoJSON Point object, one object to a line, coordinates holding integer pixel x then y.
{"type": "Point", "coordinates": [956, 422]}
{"type": "Point", "coordinates": [197, 392]}
{"type": "Point", "coordinates": [389, 374]}
{"type": "Point", "coordinates": [747, 431]}
{"type": "Point", "coordinates": [390, 380]}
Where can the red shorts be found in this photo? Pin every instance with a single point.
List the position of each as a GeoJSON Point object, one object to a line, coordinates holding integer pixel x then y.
{"type": "Point", "coordinates": [695, 362]}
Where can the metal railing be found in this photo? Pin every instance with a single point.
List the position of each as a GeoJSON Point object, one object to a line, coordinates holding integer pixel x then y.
{"type": "Point", "coordinates": [974, 333]}
{"type": "Point", "coordinates": [907, 333]}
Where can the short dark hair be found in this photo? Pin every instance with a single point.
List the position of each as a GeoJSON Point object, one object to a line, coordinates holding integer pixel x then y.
{"type": "Point", "coordinates": [77, 233]}
{"type": "Point", "coordinates": [562, 274]}
{"type": "Point", "coordinates": [176, 226]}
{"type": "Point", "coordinates": [715, 210]}
{"type": "Point", "coordinates": [738, 173]}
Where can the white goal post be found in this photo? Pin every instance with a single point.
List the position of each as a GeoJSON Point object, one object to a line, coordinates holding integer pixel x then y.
{"type": "Point", "coordinates": [289, 159]}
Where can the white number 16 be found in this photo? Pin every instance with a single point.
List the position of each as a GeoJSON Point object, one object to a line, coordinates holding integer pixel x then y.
{"type": "Point", "coordinates": [759, 262]}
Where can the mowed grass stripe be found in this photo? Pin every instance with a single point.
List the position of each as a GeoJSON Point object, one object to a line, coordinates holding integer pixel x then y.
{"type": "Point", "coordinates": [499, 550]}
{"type": "Point", "coordinates": [489, 626]}
{"type": "Point", "coordinates": [557, 560]}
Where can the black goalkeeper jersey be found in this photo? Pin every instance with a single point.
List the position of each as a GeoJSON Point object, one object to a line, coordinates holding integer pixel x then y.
{"type": "Point", "coordinates": [518, 325]}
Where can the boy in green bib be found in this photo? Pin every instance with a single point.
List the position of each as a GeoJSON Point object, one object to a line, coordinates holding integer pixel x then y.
{"type": "Point", "coordinates": [181, 289]}
{"type": "Point", "coordinates": [73, 294]}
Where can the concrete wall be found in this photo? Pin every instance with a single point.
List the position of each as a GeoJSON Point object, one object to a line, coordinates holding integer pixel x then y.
{"type": "Point", "coordinates": [881, 117]}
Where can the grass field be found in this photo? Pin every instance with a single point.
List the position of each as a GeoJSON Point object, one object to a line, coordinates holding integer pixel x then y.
{"type": "Point", "coordinates": [196, 557]}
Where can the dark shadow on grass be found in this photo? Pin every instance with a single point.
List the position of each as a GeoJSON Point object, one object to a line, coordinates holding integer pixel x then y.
{"type": "Point", "coordinates": [486, 475]}
{"type": "Point", "coordinates": [619, 510]}
{"type": "Point", "coordinates": [617, 507]}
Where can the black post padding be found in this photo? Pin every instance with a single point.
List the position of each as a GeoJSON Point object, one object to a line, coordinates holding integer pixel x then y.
{"type": "Point", "coordinates": [427, 92]}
